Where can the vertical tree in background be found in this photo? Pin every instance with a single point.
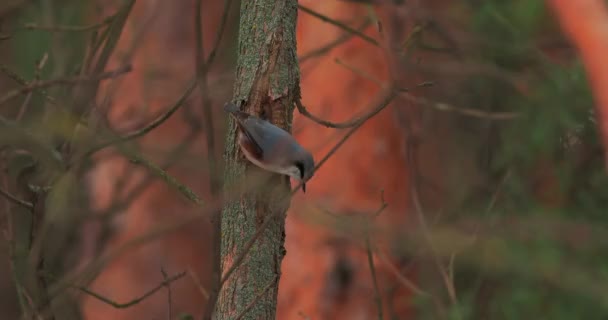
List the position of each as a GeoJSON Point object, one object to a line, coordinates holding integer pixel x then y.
{"type": "Point", "coordinates": [267, 82]}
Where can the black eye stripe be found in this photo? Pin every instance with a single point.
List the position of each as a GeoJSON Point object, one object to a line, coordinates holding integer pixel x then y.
{"type": "Point", "coordinates": [300, 166]}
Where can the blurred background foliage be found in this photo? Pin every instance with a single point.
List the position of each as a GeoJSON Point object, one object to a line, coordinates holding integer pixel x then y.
{"type": "Point", "coordinates": [535, 201]}
{"type": "Point", "coordinates": [539, 212]}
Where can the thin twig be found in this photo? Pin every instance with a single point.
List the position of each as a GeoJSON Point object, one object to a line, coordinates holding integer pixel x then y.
{"type": "Point", "coordinates": [97, 264]}
{"type": "Point", "coordinates": [370, 261]}
{"type": "Point", "coordinates": [170, 181]}
{"type": "Point", "coordinates": [153, 125]}
{"type": "Point", "coordinates": [339, 25]}
{"type": "Point", "coordinates": [169, 301]}
{"type": "Point", "coordinates": [28, 98]}
{"type": "Point", "coordinates": [202, 69]}
{"type": "Point", "coordinates": [16, 200]}
{"type": "Point", "coordinates": [464, 111]}
{"type": "Point", "coordinates": [425, 231]}
{"type": "Point", "coordinates": [12, 133]}
{"type": "Point", "coordinates": [256, 299]}
{"type": "Point", "coordinates": [435, 105]}
{"type": "Point", "coordinates": [220, 35]}
{"type": "Point", "coordinates": [135, 301]}
{"type": "Point", "coordinates": [372, 268]}
{"type": "Point", "coordinates": [360, 72]}
{"type": "Point", "coordinates": [174, 154]}
{"type": "Point", "coordinates": [94, 26]}
{"type": "Point", "coordinates": [387, 97]}
{"type": "Point", "coordinates": [197, 283]}
{"type": "Point", "coordinates": [400, 277]}
{"type": "Point", "coordinates": [20, 80]}
{"type": "Point", "coordinates": [328, 47]}
{"type": "Point", "coordinates": [64, 81]}
{"type": "Point", "coordinates": [415, 197]}
{"type": "Point", "coordinates": [341, 125]}
{"type": "Point", "coordinates": [166, 177]}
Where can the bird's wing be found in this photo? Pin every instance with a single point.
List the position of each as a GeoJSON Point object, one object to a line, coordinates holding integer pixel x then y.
{"type": "Point", "coordinates": [280, 140]}
{"type": "Point", "coordinates": [257, 149]}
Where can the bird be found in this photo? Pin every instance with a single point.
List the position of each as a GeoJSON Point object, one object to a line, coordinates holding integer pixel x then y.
{"type": "Point", "coordinates": [270, 147]}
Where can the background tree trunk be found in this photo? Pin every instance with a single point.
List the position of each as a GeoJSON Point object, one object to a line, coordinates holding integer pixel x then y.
{"type": "Point", "coordinates": [267, 82]}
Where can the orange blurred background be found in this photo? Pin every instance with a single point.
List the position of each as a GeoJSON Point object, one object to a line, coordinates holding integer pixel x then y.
{"type": "Point", "coordinates": [324, 275]}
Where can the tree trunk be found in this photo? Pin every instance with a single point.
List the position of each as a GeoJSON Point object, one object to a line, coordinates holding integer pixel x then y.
{"type": "Point", "coordinates": [267, 84]}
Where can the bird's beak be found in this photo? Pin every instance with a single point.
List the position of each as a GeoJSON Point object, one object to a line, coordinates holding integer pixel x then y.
{"type": "Point", "coordinates": [304, 187]}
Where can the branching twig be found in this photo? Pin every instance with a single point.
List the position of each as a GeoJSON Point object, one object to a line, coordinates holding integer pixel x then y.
{"type": "Point", "coordinates": [425, 231]}
{"type": "Point", "coordinates": [360, 72]}
{"type": "Point", "coordinates": [20, 80]}
{"type": "Point", "coordinates": [339, 25]}
{"type": "Point", "coordinates": [64, 81]}
{"type": "Point", "coordinates": [202, 69]}
{"type": "Point", "coordinates": [464, 111]}
{"type": "Point", "coordinates": [415, 198]}
{"type": "Point", "coordinates": [401, 278]}
{"type": "Point", "coordinates": [197, 283]}
{"type": "Point", "coordinates": [326, 48]}
{"type": "Point", "coordinates": [342, 125]}
{"type": "Point", "coordinates": [220, 35]}
{"type": "Point", "coordinates": [14, 134]}
{"type": "Point", "coordinates": [94, 26]}
{"type": "Point", "coordinates": [26, 102]}
{"type": "Point", "coordinates": [135, 301]}
{"type": "Point", "coordinates": [372, 268]}
{"type": "Point", "coordinates": [169, 302]}
{"type": "Point", "coordinates": [16, 200]}
{"type": "Point", "coordinates": [153, 125]}
{"type": "Point", "coordinates": [435, 105]}
{"type": "Point", "coordinates": [175, 154]}
{"type": "Point", "coordinates": [167, 178]}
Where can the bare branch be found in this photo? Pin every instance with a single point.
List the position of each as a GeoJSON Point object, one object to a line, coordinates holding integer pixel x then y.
{"type": "Point", "coordinates": [169, 302]}
{"type": "Point", "coordinates": [197, 283]}
{"type": "Point", "coordinates": [170, 180]}
{"type": "Point", "coordinates": [339, 25]}
{"type": "Point", "coordinates": [135, 301]}
{"type": "Point", "coordinates": [20, 80]}
{"type": "Point", "coordinates": [401, 278]}
{"type": "Point", "coordinates": [328, 47]}
{"type": "Point", "coordinates": [347, 124]}
{"type": "Point", "coordinates": [220, 35]}
{"type": "Point", "coordinates": [153, 125]}
{"type": "Point", "coordinates": [15, 135]}
{"type": "Point", "coordinates": [440, 106]}
{"type": "Point", "coordinates": [464, 111]}
{"type": "Point", "coordinates": [64, 81]}
{"type": "Point", "coordinates": [16, 200]}
{"type": "Point", "coordinates": [202, 69]}
{"type": "Point", "coordinates": [370, 261]}
{"type": "Point", "coordinates": [39, 65]}
{"type": "Point", "coordinates": [94, 26]}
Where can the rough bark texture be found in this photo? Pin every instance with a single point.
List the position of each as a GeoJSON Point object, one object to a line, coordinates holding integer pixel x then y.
{"type": "Point", "coordinates": [267, 82]}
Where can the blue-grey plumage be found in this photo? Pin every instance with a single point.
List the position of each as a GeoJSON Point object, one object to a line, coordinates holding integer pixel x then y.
{"type": "Point", "coordinates": [270, 147]}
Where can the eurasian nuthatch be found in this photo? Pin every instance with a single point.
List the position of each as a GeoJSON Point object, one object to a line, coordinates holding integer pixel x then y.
{"type": "Point", "coordinates": [270, 147]}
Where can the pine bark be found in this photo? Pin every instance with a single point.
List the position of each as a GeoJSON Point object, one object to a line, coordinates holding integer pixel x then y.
{"type": "Point", "coordinates": [267, 84]}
